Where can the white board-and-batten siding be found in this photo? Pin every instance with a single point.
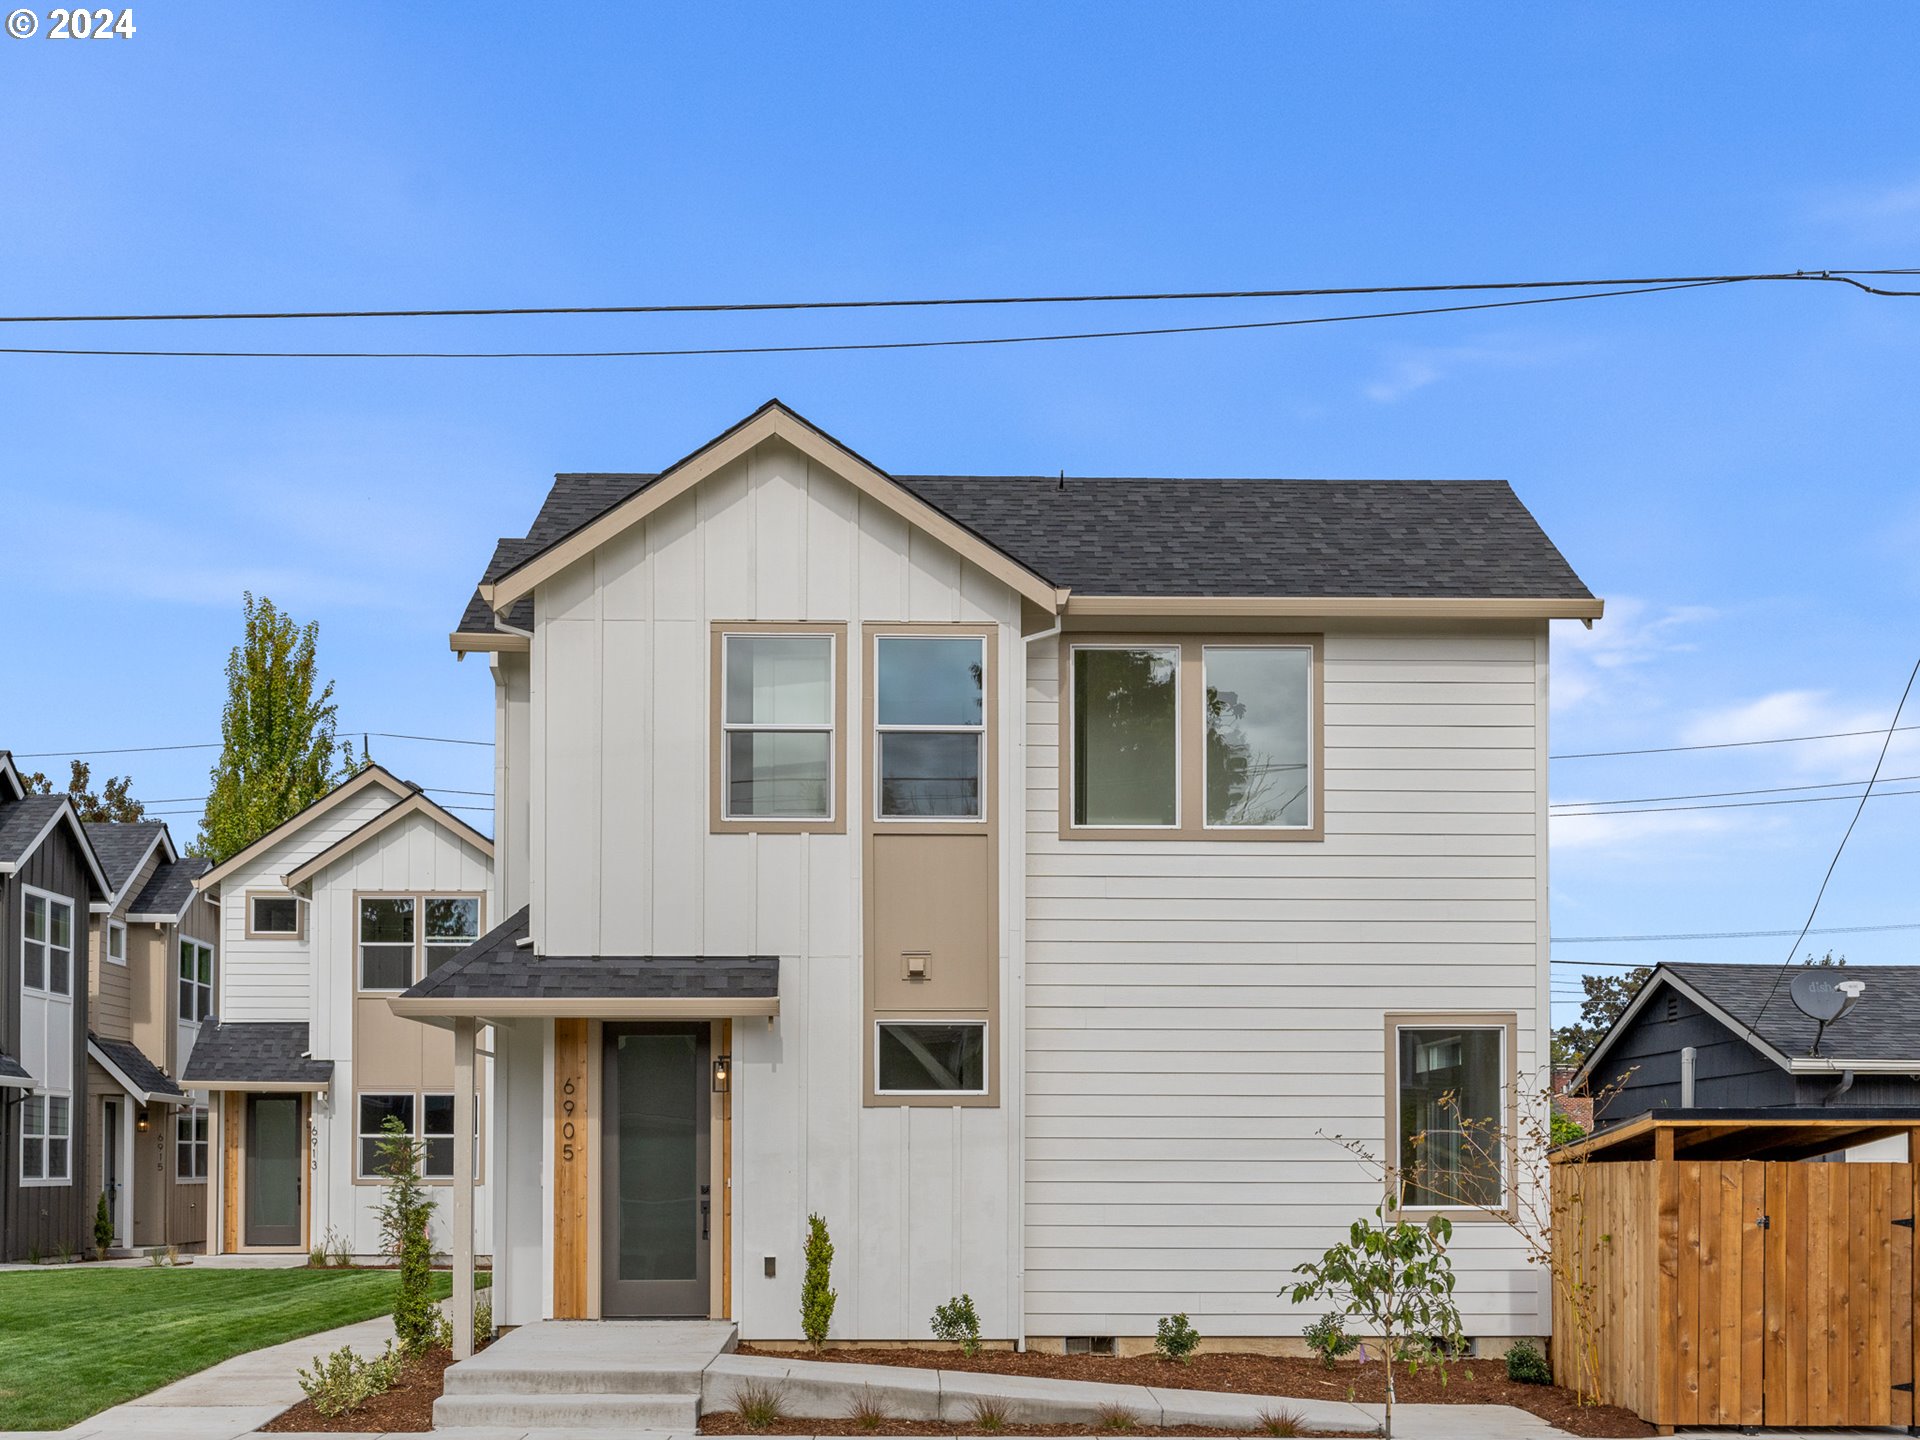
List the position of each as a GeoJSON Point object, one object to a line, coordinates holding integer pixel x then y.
{"type": "Point", "coordinates": [1198, 1013]}
{"type": "Point", "coordinates": [922, 1203]}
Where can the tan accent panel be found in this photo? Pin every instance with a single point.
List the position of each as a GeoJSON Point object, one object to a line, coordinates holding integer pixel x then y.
{"type": "Point", "coordinates": [1505, 1020]}
{"type": "Point", "coordinates": [570, 1183]}
{"type": "Point", "coordinates": [718, 823]}
{"type": "Point", "coordinates": [109, 983]}
{"type": "Point", "coordinates": [394, 1054]}
{"type": "Point", "coordinates": [931, 898]}
{"type": "Point", "coordinates": [1191, 730]}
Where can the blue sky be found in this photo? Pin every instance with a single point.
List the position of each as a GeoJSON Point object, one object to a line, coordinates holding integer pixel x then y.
{"type": "Point", "coordinates": [1732, 469]}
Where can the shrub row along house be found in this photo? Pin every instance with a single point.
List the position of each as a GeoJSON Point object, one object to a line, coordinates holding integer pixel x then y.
{"type": "Point", "coordinates": [1020, 873]}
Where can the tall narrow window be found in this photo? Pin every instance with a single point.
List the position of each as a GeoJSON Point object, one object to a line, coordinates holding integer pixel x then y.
{"type": "Point", "coordinates": [46, 1139]}
{"type": "Point", "coordinates": [190, 1143]}
{"type": "Point", "coordinates": [436, 1133]}
{"type": "Point", "coordinates": [1126, 734]}
{"type": "Point", "coordinates": [777, 711]}
{"type": "Point", "coordinates": [930, 718]}
{"type": "Point", "coordinates": [386, 943]}
{"type": "Point", "coordinates": [453, 923]}
{"type": "Point", "coordinates": [1259, 736]}
{"type": "Point", "coordinates": [1449, 1104]}
{"type": "Point", "coordinates": [117, 941]}
{"type": "Point", "coordinates": [196, 981]}
{"type": "Point", "coordinates": [47, 944]}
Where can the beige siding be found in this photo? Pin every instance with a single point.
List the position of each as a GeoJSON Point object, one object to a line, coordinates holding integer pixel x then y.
{"type": "Point", "coordinates": [1197, 1014]}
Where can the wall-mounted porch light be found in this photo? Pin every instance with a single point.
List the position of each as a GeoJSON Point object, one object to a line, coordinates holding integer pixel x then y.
{"type": "Point", "coordinates": [140, 1121]}
{"type": "Point", "coordinates": [722, 1073]}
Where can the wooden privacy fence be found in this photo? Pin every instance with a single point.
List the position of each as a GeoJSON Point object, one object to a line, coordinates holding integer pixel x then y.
{"type": "Point", "coordinates": [1738, 1292]}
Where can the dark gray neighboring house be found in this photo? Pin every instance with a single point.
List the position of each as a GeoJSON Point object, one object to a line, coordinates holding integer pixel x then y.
{"type": "Point", "coordinates": [1753, 1049]}
{"type": "Point", "coordinates": [49, 880]}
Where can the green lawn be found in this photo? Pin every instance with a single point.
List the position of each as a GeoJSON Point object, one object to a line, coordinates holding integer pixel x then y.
{"type": "Point", "coordinates": [74, 1341]}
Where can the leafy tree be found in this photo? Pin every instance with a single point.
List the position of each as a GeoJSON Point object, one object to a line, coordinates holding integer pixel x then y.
{"type": "Point", "coordinates": [817, 1295]}
{"type": "Point", "coordinates": [114, 805]}
{"type": "Point", "coordinates": [279, 752]}
{"type": "Point", "coordinates": [1606, 996]}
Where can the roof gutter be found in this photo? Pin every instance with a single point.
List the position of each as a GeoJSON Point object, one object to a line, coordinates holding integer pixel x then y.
{"type": "Point", "coordinates": [1355, 607]}
{"type": "Point", "coordinates": [575, 1007]}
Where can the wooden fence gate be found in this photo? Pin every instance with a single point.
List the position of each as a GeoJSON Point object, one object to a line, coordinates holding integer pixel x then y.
{"type": "Point", "coordinates": [1747, 1292]}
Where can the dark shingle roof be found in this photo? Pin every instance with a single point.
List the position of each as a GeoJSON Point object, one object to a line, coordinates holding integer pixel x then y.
{"type": "Point", "coordinates": [121, 848]}
{"type": "Point", "coordinates": [133, 1063]}
{"type": "Point", "coordinates": [21, 821]}
{"type": "Point", "coordinates": [257, 1051]}
{"type": "Point", "coordinates": [12, 1069]}
{"type": "Point", "coordinates": [1333, 539]}
{"type": "Point", "coordinates": [496, 967]}
{"type": "Point", "coordinates": [170, 886]}
{"type": "Point", "coordinates": [1881, 1027]}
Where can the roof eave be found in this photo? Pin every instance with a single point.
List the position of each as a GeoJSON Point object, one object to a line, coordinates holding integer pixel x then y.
{"type": "Point", "coordinates": [606, 1007]}
{"type": "Point", "coordinates": [1353, 607]}
{"type": "Point", "coordinates": [463, 642]}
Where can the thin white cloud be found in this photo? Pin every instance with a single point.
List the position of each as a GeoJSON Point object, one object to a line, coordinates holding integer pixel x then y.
{"type": "Point", "coordinates": [1647, 835]}
{"type": "Point", "coordinates": [1811, 712]}
{"type": "Point", "coordinates": [1408, 369]}
{"type": "Point", "coordinates": [1597, 668]}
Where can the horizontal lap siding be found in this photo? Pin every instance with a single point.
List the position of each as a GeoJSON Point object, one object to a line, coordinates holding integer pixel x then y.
{"type": "Point", "coordinates": [1201, 1018]}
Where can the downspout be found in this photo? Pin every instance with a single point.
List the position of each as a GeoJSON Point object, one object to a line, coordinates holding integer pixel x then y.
{"type": "Point", "coordinates": [1846, 1084]}
{"type": "Point", "coordinates": [1688, 1057]}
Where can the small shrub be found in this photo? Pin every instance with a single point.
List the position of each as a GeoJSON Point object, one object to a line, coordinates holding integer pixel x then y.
{"type": "Point", "coordinates": [156, 1259]}
{"type": "Point", "coordinates": [317, 1258]}
{"type": "Point", "coordinates": [990, 1414]}
{"type": "Point", "coordinates": [482, 1323]}
{"type": "Point", "coordinates": [1526, 1365]}
{"type": "Point", "coordinates": [1281, 1424]}
{"type": "Point", "coordinates": [817, 1295]}
{"type": "Point", "coordinates": [957, 1320]}
{"type": "Point", "coordinates": [1328, 1339]}
{"type": "Point", "coordinates": [1116, 1420]}
{"type": "Point", "coordinates": [1175, 1339]}
{"type": "Point", "coordinates": [102, 1227]}
{"type": "Point", "coordinates": [331, 1251]}
{"type": "Point", "coordinates": [344, 1381]}
{"type": "Point", "coordinates": [759, 1406]}
{"type": "Point", "coordinates": [870, 1411]}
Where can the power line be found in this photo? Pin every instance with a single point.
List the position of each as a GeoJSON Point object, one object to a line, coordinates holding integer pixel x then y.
{"type": "Point", "coordinates": [848, 346]}
{"type": "Point", "coordinates": [1727, 805]}
{"type": "Point", "coordinates": [1839, 849]}
{"type": "Point", "coordinates": [1723, 794]}
{"type": "Point", "coordinates": [1839, 277]}
{"type": "Point", "coordinates": [1721, 935]}
{"type": "Point", "coordinates": [1727, 744]}
{"type": "Point", "coordinates": [215, 745]}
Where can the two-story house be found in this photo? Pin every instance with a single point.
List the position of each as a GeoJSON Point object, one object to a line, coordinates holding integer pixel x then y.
{"type": "Point", "coordinates": [154, 951]}
{"type": "Point", "coordinates": [50, 879]}
{"type": "Point", "coordinates": [365, 892]}
{"type": "Point", "coordinates": [1026, 874]}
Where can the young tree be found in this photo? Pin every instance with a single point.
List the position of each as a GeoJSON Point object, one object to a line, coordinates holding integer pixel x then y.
{"type": "Point", "coordinates": [406, 1207]}
{"type": "Point", "coordinates": [817, 1295]}
{"type": "Point", "coordinates": [114, 805]}
{"type": "Point", "coordinates": [279, 752]}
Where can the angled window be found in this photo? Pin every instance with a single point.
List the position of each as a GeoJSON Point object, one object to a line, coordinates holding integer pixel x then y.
{"type": "Point", "coordinates": [1126, 736]}
{"type": "Point", "coordinates": [273, 915]}
{"type": "Point", "coordinates": [453, 923]}
{"type": "Point", "coordinates": [386, 942]}
{"type": "Point", "coordinates": [196, 981]}
{"type": "Point", "coordinates": [778, 706]}
{"type": "Point", "coordinates": [1259, 715]}
{"type": "Point", "coordinates": [930, 1058]}
{"type": "Point", "coordinates": [1450, 1107]}
{"type": "Point", "coordinates": [374, 1111]}
{"type": "Point", "coordinates": [930, 726]}
{"type": "Point", "coordinates": [190, 1143]}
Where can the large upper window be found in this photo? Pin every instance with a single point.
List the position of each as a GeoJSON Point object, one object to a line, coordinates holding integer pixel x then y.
{"type": "Point", "coordinates": [196, 981]}
{"type": "Point", "coordinates": [777, 715]}
{"type": "Point", "coordinates": [1191, 738]}
{"type": "Point", "coordinates": [46, 954]}
{"type": "Point", "coordinates": [453, 923]}
{"type": "Point", "coordinates": [930, 726]}
{"type": "Point", "coordinates": [46, 1139]}
{"type": "Point", "coordinates": [1449, 1104]}
{"type": "Point", "coordinates": [386, 943]}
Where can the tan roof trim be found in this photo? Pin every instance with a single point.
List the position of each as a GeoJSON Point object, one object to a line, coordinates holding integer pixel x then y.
{"type": "Point", "coordinates": [1216, 607]}
{"type": "Point", "coordinates": [772, 422]}
{"type": "Point", "coordinates": [414, 804]}
{"type": "Point", "coordinates": [262, 1087]}
{"type": "Point", "coordinates": [340, 794]}
{"type": "Point", "coordinates": [574, 1007]}
{"type": "Point", "coordinates": [464, 642]}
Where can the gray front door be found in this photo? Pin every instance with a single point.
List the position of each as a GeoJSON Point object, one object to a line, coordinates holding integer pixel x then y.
{"type": "Point", "coordinates": [655, 1188]}
{"type": "Point", "coordinates": [274, 1164]}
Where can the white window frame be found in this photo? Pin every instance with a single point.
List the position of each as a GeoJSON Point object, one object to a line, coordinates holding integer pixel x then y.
{"type": "Point", "coordinates": [1069, 746]}
{"type": "Point", "coordinates": [1503, 1100]}
{"type": "Point", "coordinates": [117, 933]}
{"type": "Point", "coordinates": [202, 989]}
{"type": "Point", "coordinates": [360, 1136]}
{"type": "Point", "coordinates": [1313, 737]}
{"type": "Point", "coordinates": [979, 733]}
{"type": "Point", "coordinates": [44, 1099]}
{"type": "Point", "coordinates": [29, 894]}
{"type": "Point", "coordinates": [360, 944]}
{"type": "Point", "coordinates": [986, 1053]}
{"type": "Point", "coordinates": [731, 727]}
{"type": "Point", "coordinates": [192, 1118]}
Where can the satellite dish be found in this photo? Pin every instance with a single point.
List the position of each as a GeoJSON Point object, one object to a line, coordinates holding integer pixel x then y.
{"type": "Point", "coordinates": [1823, 997]}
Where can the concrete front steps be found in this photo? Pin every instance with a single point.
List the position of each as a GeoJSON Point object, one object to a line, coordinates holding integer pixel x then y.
{"type": "Point", "coordinates": [586, 1376]}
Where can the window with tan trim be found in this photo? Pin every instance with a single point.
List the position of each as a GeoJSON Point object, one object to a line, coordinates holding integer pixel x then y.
{"type": "Point", "coordinates": [275, 915]}
{"type": "Point", "coordinates": [1191, 737]}
{"type": "Point", "coordinates": [1450, 1110]}
{"type": "Point", "coordinates": [402, 939]}
{"type": "Point", "coordinates": [779, 728]}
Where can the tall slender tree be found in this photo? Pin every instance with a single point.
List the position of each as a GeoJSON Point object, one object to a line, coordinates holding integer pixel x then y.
{"type": "Point", "coordinates": [279, 752]}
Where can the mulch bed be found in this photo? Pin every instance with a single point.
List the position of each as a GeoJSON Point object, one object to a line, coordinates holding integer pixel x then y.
{"type": "Point", "coordinates": [1467, 1382]}
{"type": "Point", "coordinates": [407, 1406]}
{"type": "Point", "coordinates": [727, 1422]}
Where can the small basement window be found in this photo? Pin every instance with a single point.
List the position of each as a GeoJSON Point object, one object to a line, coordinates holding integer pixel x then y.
{"type": "Point", "coordinates": [930, 1058]}
{"type": "Point", "coordinates": [1089, 1344]}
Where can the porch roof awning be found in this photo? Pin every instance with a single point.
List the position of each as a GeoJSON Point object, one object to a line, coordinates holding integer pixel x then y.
{"type": "Point", "coordinates": [133, 1072]}
{"type": "Point", "coordinates": [13, 1074]}
{"type": "Point", "coordinates": [500, 976]}
{"type": "Point", "coordinates": [261, 1055]}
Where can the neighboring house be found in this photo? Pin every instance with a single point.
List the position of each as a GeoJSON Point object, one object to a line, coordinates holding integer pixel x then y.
{"type": "Point", "coordinates": [352, 900]}
{"type": "Point", "coordinates": [154, 945]}
{"type": "Point", "coordinates": [1752, 1049]}
{"type": "Point", "coordinates": [1026, 875]}
{"type": "Point", "coordinates": [49, 881]}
